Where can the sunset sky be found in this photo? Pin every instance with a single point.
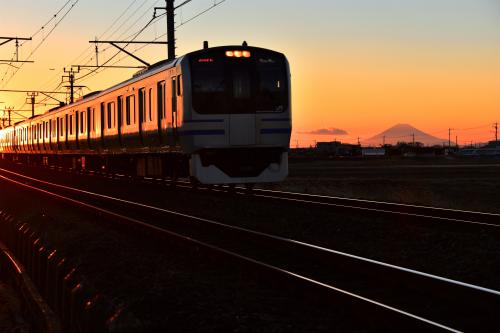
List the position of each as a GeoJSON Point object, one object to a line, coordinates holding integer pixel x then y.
{"type": "Point", "coordinates": [358, 66]}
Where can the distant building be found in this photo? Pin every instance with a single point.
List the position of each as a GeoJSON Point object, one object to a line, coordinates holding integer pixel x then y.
{"type": "Point", "coordinates": [372, 152]}
{"type": "Point", "coordinates": [337, 148]}
{"type": "Point", "coordinates": [492, 149]}
{"type": "Point", "coordinates": [493, 144]}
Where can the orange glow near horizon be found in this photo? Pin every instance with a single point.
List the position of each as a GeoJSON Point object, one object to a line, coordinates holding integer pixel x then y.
{"type": "Point", "coordinates": [432, 91]}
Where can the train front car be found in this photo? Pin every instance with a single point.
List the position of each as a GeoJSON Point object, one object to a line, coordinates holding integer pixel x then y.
{"type": "Point", "coordinates": [237, 115]}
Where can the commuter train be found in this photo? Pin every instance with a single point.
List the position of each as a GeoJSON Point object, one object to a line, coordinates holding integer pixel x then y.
{"type": "Point", "coordinates": [218, 115]}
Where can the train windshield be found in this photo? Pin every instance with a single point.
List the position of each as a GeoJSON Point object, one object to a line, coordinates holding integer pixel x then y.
{"type": "Point", "coordinates": [227, 85]}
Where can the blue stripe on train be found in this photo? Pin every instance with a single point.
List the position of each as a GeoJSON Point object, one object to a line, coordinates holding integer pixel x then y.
{"type": "Point", "coordinates": [202, 132]}
{"type": "Point", "coordinates": [275, 131]}
{"type": "Point", "coordinates": [276, 119]}
{"type": "Point", "coordinates": [204, 121]}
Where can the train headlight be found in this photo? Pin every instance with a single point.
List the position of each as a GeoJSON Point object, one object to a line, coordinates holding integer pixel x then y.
{"type": "Point", "coordinates": [238, 54]}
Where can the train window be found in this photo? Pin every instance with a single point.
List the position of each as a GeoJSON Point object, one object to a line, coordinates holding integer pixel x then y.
{"type": "Point", "coordinates": [179, 85]}
{"type": "Point", "coordinates": [93, 120]}
{"type": "Point", "coordinates": [160, 95]}
{"type": "Point", "coordinates": [273, 91]}
{"type": "Point", "coordinates": [127, 109]}
{"type": "Point", "coordinates": [89, 120]}
{"type": "Point", "coordinates": [61, 128]}
{"type": "Point", "coordinates": [150, 97]}
{"type": "Point", "coordinates": [102, 117]}
{"type": "Point", "coordinates": [119, 116]}
{"type": "Point", "coordinates": [174, 95]}
{"type": "Point", "coordinates": [82, 122]}
{"type": "Point", "coordinates": [132, 109]}
{"type": "Point", "coordinates": [241, 83]}
{"type": "Point", "coordinates": [71, 125]}
{"type": "Point", "coordinates": [235, 85]}
{"type": "Point", "coordinates": [142, 104]}
{"type": "Point", "coordinates": [209, 87]}
{"type": "Point", "coordinates": [110, 115]}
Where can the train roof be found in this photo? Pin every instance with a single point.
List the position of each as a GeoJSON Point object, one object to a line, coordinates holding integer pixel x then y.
{"type": "Point", "coordinates": [231, 47]}
{"type": "Point", "coordinates": [151, 70]}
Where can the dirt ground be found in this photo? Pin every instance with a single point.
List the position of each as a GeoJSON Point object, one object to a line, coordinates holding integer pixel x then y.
{"type": "Point", "coordinates": [441, 182]}
{"type": "Point", "coordinates": [11, 319]}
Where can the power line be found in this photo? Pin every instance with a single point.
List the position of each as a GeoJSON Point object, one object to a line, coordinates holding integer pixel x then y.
{"type": "Point", "coordinates": [44, 39]}
{"type": "Point", "coordinates": [135, 35]}
{"type": "Point", "coordinates": [201, 13]}
{"type": "Point", "coordinates": [96, 71]}
{"type": "Point", "coordinates": [82, 54]}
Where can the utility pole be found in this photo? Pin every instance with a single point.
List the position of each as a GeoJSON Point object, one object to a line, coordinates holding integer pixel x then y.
{"type": "Point", "coordinates": [495, 126]}
{"type": "Point", "coordinates": [456, 141]}
{"type": "Point", "coordinates": [5, 40]}
{"type": "Point", "coordinates": [31, 100]}
{"type": "Point", "coordinates": [171, 29]}
{"type": "Point", "coordinates": [449, 137]}
{"type": "Point", "coordinates": [71, 78]}
{"type": "Point", "coordinates": [96, 53]}
{"type": "Point", "coordinates": [413, 139]}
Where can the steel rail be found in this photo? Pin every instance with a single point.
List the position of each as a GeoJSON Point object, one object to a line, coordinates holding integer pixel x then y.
{"type": "Point", "coordinates": [361, 260]}
{"type": "Point", "coordinates": [258, 233]}
{"type": "Point", "coordinates": [247, 259]}
{"type": "Point", "coordinates": [393, 204]}
{"type": "Point", "coordinates": [420, 211]}
{"type": "Point", "coordinates": [425, 212]}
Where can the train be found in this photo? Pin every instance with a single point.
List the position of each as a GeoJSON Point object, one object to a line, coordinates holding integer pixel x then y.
{"type": "Point", "coordinates": [218, 115]}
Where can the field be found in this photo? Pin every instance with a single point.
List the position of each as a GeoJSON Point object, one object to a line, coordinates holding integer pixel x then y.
{"type": "Point", "coordinates": [442, 182]}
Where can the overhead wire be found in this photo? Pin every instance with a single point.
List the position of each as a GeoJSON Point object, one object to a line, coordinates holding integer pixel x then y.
{"type": "Point", "coordinates": [84, 55]}
{"type": "Point", "coordinates": [96, 71]}
{"type": "Point", "coordinates": [43, 40]}
{"type": "Point", "coordinates": [53, 17]}
{"type": "Point", "coordinates": [133, 36]}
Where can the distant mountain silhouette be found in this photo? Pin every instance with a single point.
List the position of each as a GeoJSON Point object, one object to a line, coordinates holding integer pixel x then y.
{"type": "Point", "coordinates": [403, 132]}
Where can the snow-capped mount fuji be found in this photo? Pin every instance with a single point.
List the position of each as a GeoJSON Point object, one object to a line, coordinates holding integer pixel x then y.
{"type": "Point", "coordinates": [403, 133]}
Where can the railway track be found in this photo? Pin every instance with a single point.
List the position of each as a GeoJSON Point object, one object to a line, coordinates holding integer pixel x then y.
{"type": "Point", "coordinates": [416, 212]}
{"type": "Point", "coordinates": [378, 207]}
{"type": "Point", "coordinates": [427, 213]}
{"type": "Point", "coordinates": [419, 299]}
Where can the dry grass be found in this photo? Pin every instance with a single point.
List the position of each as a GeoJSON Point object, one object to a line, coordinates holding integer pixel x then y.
{"type": "Point", "coordinates": [471, 186]}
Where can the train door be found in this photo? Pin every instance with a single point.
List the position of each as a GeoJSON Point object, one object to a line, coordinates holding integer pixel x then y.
{"type": "Point", "coordinates": [77, 129]}
{"type": "Point", "coordinates": [66, 131]}
{"type": "Point", "coordinates": [176, 92]}
{"type": "Point", "coordinates": [119, 103]}
{"type": "Point", "coordinates": [102, 124]}
{"type": "Point", "coordinates": [242, 117]}
{"type": "Point", "coordinates": [161, 110]}
{"type": "Point", "coordinates": [142, 114]}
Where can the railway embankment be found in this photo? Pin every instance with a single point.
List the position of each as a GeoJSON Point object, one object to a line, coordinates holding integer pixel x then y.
{"type": "Point", "coordinates": [105, 254]}
{"type": "Point", "coordinates": [121, 280]}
